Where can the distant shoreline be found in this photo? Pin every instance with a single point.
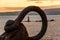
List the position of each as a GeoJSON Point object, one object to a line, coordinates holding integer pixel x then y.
{"type": "Point", "coordinates": [55, 11]}
{"type": "Point", "coordinates": [18, 12]}
{"type": "Point", "coordinates": [8, 14]}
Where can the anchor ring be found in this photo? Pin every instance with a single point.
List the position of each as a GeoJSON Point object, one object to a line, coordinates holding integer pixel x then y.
{"type": "Point", "coordinates": [42, 15]}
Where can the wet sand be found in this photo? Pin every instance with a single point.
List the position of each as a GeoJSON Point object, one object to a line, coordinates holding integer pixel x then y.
{"type": "Point", "coordinates": [52, 33]}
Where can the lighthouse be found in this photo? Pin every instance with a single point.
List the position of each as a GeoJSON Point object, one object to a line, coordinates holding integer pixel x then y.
{"type": "Point", "coordinates": [28, 19]}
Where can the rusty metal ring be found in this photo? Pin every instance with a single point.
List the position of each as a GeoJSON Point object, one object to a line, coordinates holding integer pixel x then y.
{"type": "Point", "coordinates": [43, 17]}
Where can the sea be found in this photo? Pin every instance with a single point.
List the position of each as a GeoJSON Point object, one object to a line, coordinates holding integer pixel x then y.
{"type": "Point", "coordinates": [53, 30]}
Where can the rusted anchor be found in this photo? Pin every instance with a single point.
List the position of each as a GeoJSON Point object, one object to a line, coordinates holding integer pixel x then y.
{"type": "Point", "coordinates": [15, 30]}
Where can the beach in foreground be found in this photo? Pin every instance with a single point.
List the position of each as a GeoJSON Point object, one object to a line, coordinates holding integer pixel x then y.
{"type": "Point", "coordinates": [52, 33]}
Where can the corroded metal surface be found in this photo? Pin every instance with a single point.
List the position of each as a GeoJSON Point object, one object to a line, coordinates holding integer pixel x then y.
{"type": "Point", "coordinates": [15, 30]}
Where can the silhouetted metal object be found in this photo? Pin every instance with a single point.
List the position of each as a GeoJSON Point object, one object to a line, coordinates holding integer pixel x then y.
{"type": "Point", "coordinates": [15, 30]}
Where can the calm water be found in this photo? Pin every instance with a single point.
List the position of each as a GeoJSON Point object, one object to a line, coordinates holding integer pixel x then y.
{"type": "Point", "coordinates": [32, 17]}
{"type": "Point", "coordinates": [52, 31]}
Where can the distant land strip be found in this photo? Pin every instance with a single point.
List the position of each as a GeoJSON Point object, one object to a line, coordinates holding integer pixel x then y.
{"type": "Point", "coordinates": [55, 11]}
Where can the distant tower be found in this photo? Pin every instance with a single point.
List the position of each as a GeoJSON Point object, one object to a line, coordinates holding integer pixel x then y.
{"type": "Point", "coordinates": [28, 19]}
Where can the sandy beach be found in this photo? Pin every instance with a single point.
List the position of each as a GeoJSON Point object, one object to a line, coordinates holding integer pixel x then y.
{"type": "Point", "coordinates": [52, 33]}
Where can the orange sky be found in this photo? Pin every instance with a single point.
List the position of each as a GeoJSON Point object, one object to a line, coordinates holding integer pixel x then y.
{"type": "Point", "coordinates": [24, 3]}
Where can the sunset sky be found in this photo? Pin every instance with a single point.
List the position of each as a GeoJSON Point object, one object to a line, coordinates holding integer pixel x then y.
{"type": "Point", "coordinates": [24, 3]}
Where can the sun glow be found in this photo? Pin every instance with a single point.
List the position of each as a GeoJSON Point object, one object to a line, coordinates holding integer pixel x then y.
{"type": "Point", "coordinates": [24, 3]}
{"type": "Point", "coordinates": [11, 3]}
